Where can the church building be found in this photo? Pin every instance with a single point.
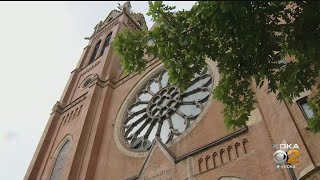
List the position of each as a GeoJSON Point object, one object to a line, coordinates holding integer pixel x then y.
{"type": "Point", "coordinates": [112, 126]}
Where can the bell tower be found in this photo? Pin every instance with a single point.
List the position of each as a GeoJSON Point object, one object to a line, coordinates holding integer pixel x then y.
{"type": "Point", "coordinates": [70, 144]}
{"type": "Point", "coordinates": [111, 126]}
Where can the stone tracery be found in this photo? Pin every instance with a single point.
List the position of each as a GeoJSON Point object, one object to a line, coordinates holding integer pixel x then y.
{"type": "Point", "coordinates": [160, 109]}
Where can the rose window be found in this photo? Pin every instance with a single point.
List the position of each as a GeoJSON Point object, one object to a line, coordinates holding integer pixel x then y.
{"type": "Point", "coordinates": [161, 110]}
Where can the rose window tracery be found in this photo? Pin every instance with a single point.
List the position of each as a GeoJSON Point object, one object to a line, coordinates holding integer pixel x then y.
{"type": "Point", "coordinates": [161, 110]}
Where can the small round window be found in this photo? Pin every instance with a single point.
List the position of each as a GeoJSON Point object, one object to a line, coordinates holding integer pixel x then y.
{"type": "Point", "coordinates": [85, 83]}
{"type": "Point", "coordinates": [161, 109]}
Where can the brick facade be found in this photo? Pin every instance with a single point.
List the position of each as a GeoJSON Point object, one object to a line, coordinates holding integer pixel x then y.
{"type": "Point", "coordinates": [89, 116]}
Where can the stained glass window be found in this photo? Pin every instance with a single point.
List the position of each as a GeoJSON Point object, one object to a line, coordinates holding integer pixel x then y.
{"type": "Point", "coordinates": [60, 161]}
{"type": "Point", "coordinates": [161, 109]}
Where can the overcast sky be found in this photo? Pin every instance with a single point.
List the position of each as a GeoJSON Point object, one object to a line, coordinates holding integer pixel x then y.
{"type": "Point", "coordinates": [40, 44]}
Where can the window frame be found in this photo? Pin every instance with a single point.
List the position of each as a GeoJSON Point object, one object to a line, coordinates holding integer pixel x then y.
{"type": "Point", "coordinates": [105, 43]}
{"type": "Point", "coordinates": [67, 139]}
{"type": "Point", "coordinates": [95, 51]}
{"type": "Point", "coordinates": [140, 89]}
{"type": "Point", "coordinates": [300, 102]}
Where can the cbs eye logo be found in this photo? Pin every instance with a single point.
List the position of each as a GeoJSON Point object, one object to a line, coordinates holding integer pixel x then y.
{"type": "Point", "coordinates": [281, 156]}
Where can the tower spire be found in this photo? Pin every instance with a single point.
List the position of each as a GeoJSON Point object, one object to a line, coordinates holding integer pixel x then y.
{"type": "Point", "coordinates": [126, 7]}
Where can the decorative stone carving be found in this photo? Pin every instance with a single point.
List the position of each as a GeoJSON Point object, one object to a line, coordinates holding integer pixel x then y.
{"type": "Point", "coordinates": [126, 7]}
{"type": "Point", "coordinates": [57, 108]}
{"type": "Point", "coordinates": [244, 141]}
{"type": "Point", "coordinates": [199, 164]}
{"type": "Point", "coordinates": [221, 155]}
{"type": "Point", "coordinates": [207, 161]}
{"type": "Point", "coordinates": [221, 152]}
{"type": "Point", "coordinates": [236, 145]}
{"type": "Point", "coordinates": [162, 110]}
{"type": "Point", "coordinates": [214, 155]}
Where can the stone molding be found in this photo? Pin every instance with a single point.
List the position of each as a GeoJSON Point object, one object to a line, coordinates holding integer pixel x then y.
{"type": "Point", "coordinates": [229, 137]}
{"type": "Point", "coordinates": [62, 109]}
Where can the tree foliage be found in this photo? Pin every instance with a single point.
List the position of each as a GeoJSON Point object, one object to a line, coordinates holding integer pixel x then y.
{"type": "Point", "coordinates": [250, 41]}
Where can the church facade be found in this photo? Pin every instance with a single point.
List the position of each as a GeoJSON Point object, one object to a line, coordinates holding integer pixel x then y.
{"type": "Point", "coordinates": [111, 126]}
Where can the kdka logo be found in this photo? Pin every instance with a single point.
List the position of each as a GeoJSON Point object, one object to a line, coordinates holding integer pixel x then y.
{"type": "Point", "coordinates": [287, 154]}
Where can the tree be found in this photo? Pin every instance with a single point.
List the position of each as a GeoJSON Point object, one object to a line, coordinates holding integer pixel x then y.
{"type": "Point", "coordinates": [248, 40]}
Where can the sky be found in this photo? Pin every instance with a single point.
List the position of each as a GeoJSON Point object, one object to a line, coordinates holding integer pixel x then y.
{"type": "Point", "coordinates": [40, 44]}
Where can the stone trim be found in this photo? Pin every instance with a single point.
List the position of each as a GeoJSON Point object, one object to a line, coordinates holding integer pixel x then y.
{"type": "Point", "coordinates": [133, 178]}
{"type": "Point", "coordinates": [157, 142]}
{"type": "Point", "coordinates": [215, 80]}
{"type": "Point", "coordinates": [117, 132]}
{"type": "Point", "coordinates": [121, 144]}
{"type": "Point", "coordinates": [212, 144]}
{"type": "Point", "coordinates": [222, 177]}
{"type": "Point", "coordinates": [110, 82]}
{"type": "Point", "coordinates": [105, 28]}
{"type": "Point", "coordinates": [75, 102]}
{"type": "Point", "coordinates": [57, 108]}
{"type": "Point", "coordinates": [199, 150]}
{"type": "Point", "coordinates": [310, 173]}
{"type": "Point", "coordinates": [93, 65]}
{"type": "Point", "coordinates": [85, 82]}
{"type": "Point", "coordinates": [54, 156]}
{"type": "Point", "coordinates": [228, 149]}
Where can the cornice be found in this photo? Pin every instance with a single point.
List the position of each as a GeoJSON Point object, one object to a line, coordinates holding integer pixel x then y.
{"type": "Point", "coordinates": [87, 68]}
{"type": "Point", "coordinates": [75, 102]}
{"type": "Point", "coordinates": [235, 134]}
{"type": "Point", "coordinates": [57, 108]}
{"type": "Point", "coordinates": [61, 109]}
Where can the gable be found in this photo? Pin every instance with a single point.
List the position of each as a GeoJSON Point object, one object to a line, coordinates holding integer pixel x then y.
{"type": "Point", "coordinates": [159, 164]}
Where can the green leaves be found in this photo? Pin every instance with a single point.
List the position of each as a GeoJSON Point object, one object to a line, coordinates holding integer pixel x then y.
{"type": "Point", "coordinates": [314, 122]}
{"type": "Point", "coordinates": [246, 39]}
{"type": "Point", "coordinates": [131, 47]}
{"type": "Point", "coordinates": [238, 98]}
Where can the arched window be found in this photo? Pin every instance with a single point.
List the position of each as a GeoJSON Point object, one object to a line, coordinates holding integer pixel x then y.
{"type": "Point", "coordinates": [106, 43]}
{"type": "Point", "coordinates": [60, 161]}
{"type": "Point", "coordinates": [95, 51]}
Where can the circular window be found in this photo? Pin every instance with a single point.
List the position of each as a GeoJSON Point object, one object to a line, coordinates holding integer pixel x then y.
{"type": "Point", "coordinates": [160, 109]}
{"type": "Point", "coordinates": [85, 83]}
